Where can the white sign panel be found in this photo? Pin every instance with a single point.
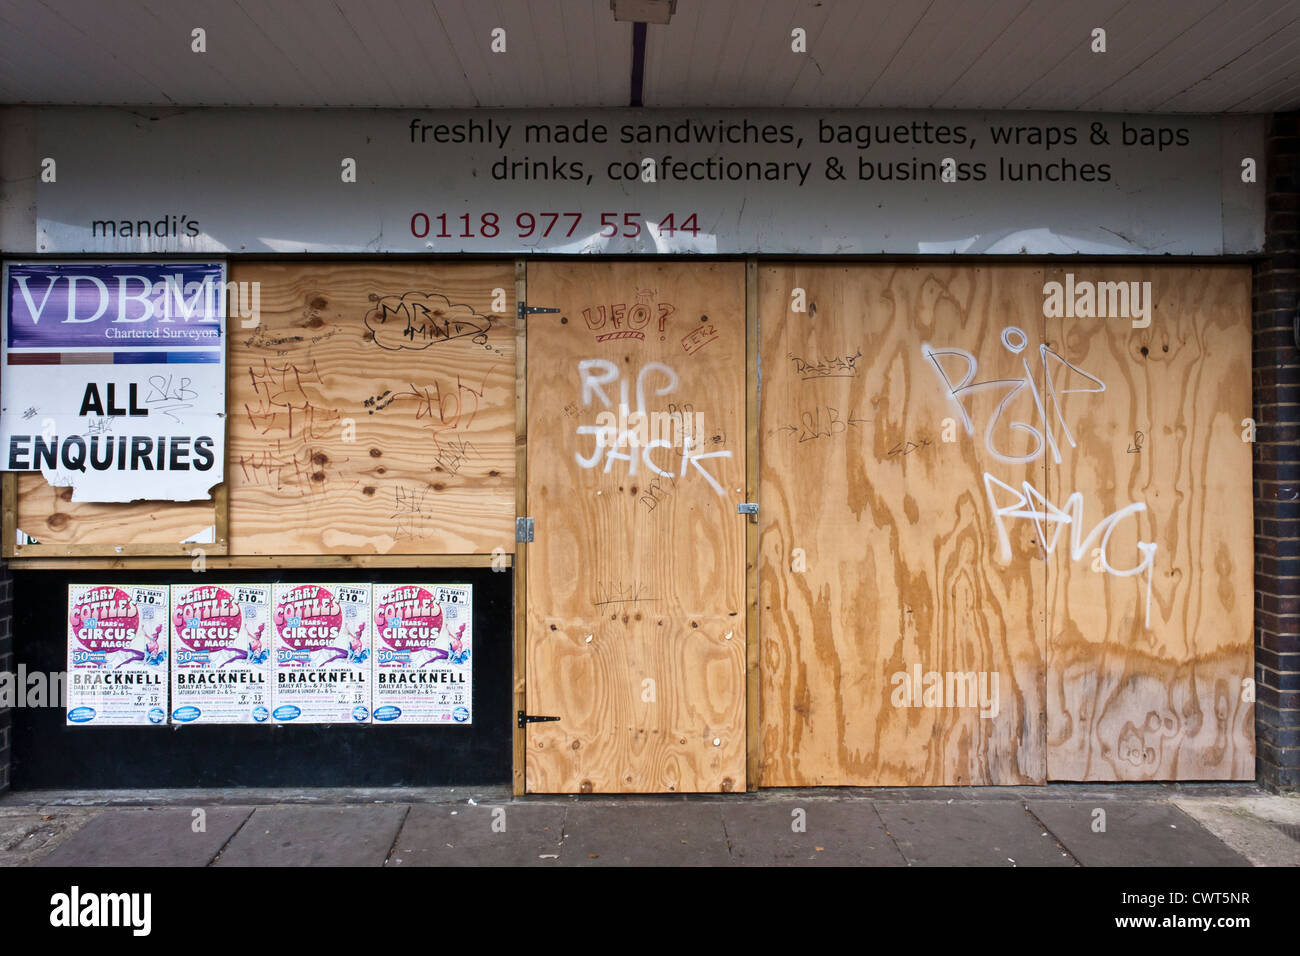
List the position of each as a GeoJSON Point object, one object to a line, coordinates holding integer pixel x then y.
{"type": "Point", "coordinates": [115, 378]}
{"type": "Point", "coordinates": [423, 673]}
{"type": "Point", "coordinates": [321, 654]}
{"type": "Point", "coordinates": [221, 653]}
{"type": "Point", "coordinates": [823, 182]}
{"type": "Point", "coordinates": [117, 655]}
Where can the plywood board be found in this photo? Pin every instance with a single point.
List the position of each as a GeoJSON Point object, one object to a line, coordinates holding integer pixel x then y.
{"type": "Point", "coordinates": [879, 571]}
{"type": "Point", "coordinates": [371, 411]}
{"type": "Point", "coordinates": [635, 580]}
{"type": "Point", "coordinates": [48, 515]}
{"type": "Point", "coordinates": [1150, 619]}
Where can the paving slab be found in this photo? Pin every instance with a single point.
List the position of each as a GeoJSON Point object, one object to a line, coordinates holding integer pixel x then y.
{"type": "Point", "coordinates": [315, 836]}
{"type": "Point", "coordinates": [848, 833]}
{"type": "Point", "coordinates": [640, 834]}
{"type": "Point", "coordinates": [28, 835]}
{"type": "Point", "coordinates": [1136, 834]}
{"type": "Point", "coordinates": [158, 837]}
{"type": "Point", "coordinates": [1252, 825]}
{"type": "Point", "coordinates": [473, 836]}
{"type": "Point", "coordinates": [970, 833]}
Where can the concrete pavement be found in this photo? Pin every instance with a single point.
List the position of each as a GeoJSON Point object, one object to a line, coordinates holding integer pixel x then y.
{"type": "Point", "coordinates": [1063, 825]}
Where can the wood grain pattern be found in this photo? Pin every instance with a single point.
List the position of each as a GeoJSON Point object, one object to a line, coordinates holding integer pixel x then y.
{"type": "Point", "coordinates": [635, 582]}
{"type": "Point", "coordinates": [63, 526]}
{"type": "Point", "coordinates": [1159, 699]}
{"type": "Point", "coordinates": [877, 562]}
{"type": "Point", "coordinates": [429, 384]}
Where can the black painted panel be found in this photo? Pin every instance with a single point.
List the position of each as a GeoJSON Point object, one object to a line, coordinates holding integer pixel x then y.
{"type": "Point", "coordinates": [49, 754]}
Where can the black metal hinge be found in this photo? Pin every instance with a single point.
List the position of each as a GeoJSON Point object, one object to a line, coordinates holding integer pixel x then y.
{"type": "Point", "coordinates": [524, 310]}
{"type": "Point", "coordinates": [527, 719]}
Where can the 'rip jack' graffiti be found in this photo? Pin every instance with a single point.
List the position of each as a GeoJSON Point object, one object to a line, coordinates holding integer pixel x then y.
{"type": "Point", "coordinates": [625, 437]}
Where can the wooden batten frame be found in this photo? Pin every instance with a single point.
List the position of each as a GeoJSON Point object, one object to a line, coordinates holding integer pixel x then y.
{"type": "Point", "coordinates": [8, 514]}
{"type": "Point", "coordinates": [753, 728]}
{"type": "Point", "coordinates": [253, 562]}
{"type": "Point", "coordinates": [520, 644]}
{"type": "Point", "coordinates": [221, 498]}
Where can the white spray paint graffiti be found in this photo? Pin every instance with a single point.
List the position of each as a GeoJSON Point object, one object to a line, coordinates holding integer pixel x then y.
{"type": "Point", "coordinates": [1033, 504]}
{"type": "Point", "coordinates": [1029, 502]}
{"type": "Point", "coordinates": [1014, 340]}
{"type": "Point", "coordinates": [594, 375]}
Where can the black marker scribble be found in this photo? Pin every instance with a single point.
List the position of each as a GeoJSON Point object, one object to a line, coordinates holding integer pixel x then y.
{"type": "Point", "coordinates": [416, 320]}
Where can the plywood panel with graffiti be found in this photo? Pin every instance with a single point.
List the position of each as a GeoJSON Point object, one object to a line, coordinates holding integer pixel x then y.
{"type": "Point", "coordinates": [1148, 500]}
{"type": "Point", "coordinates": [635, 579]}
{"type": "Point", "coordinates": [964, 478]}
{"type": "Point", "coordinates": [371, 410]}
{"type": "Point", "coordinates": [899, 646]}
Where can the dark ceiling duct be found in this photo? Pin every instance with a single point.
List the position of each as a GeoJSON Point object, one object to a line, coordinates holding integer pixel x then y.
{"type": "Point", "coordinates": [638, 63]}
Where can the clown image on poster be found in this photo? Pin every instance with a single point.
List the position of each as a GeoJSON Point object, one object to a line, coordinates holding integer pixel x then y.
{"type": "Point", "coordinates": [321, 654]}
{"type": "Point", "coordinates": [221, 653]}
{"type": "Point", "coordinates": [117, 655]}
{"type": "Point", "coordinates": [423, 672]}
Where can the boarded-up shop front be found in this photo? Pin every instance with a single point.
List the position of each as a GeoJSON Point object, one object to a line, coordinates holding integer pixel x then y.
{"type": "Point", "coordinates": [758, 476]}
{"type": "Point", "coordinates": [947, 540]}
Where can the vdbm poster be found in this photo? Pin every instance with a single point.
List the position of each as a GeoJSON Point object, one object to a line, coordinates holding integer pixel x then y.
{"type": "Point", "coordinates": [114, 377]}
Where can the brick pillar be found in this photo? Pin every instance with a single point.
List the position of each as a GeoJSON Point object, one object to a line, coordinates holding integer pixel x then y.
{"type": "Point", "coordinates": [1277, 467]}
{"type": "Point", "coordinates": [6, 665]}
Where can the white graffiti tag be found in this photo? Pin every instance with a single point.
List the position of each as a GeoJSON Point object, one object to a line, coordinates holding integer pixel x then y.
{"type": "Point", "coordinates": [1014, 340]}
{"type": "Point", "coordinates": [627, 430]}
{"type": "Point", "coordinates": [1028, 502]}
{"type": "Point", "coordinates": [1033, 504]}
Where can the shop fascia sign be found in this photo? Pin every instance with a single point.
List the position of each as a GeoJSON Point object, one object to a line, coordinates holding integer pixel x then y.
{"type": "Point", "coordinates": [646, 182]}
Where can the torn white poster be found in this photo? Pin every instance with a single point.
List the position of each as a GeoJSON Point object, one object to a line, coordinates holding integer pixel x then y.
{"type": "Point", "coordinates": [114, 377]}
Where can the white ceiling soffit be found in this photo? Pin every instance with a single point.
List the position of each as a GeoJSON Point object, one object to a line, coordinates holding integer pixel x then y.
{"type": "Point", "coordinates": [1163, 55]}
{"type": "Point", "coordinates": [314, 53]}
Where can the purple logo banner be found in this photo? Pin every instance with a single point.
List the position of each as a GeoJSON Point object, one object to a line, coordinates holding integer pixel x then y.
{"type": "Point", "coordinates": [128, 306]}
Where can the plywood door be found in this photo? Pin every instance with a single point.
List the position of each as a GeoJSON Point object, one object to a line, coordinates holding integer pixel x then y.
{"type": "Point", "coordinates": [635, 590]}
{"type": "Point", "coordinates": [371, 409]}
{"type": "Point", "coordinates": [1150, 624]}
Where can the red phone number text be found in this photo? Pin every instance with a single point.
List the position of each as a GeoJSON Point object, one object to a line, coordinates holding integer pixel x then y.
{"type": "Point", "coordinates": [527, 225]}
